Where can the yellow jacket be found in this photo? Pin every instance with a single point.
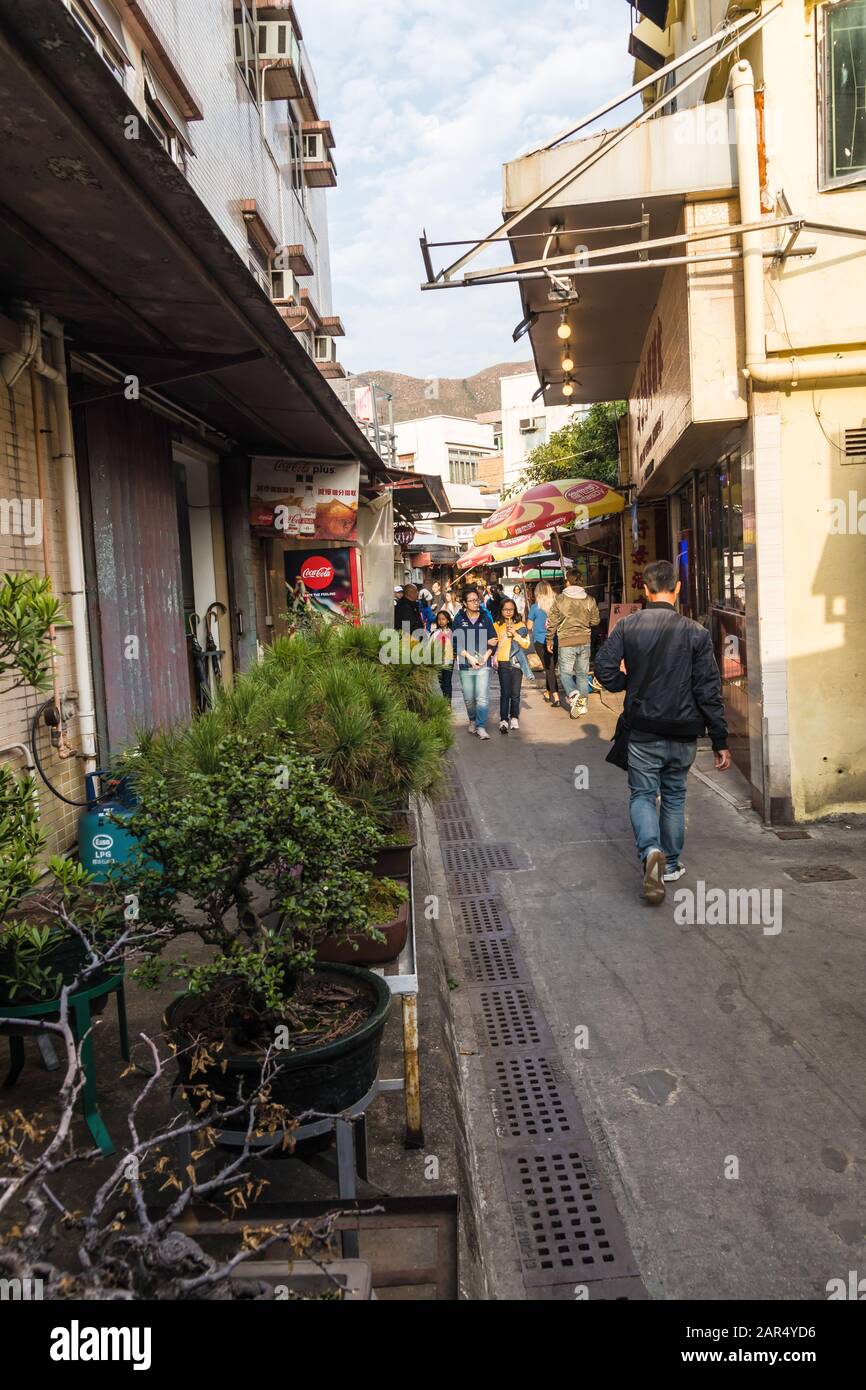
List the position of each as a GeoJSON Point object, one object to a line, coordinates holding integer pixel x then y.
{"type": "Point", "coordinates": [508, 645]}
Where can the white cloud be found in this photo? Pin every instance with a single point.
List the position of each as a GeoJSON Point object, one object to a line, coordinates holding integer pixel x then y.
{"type": "Point", "coordinates": [428, 99]}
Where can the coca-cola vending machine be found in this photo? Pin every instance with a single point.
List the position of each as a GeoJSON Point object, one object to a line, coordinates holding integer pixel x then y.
{"type": "Point", "coordinates": [330, 580]}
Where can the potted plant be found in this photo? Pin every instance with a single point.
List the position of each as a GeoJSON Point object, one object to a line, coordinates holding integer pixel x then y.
{"type": "Point", "coordinates": [261, 860]}
{"type": "Point", "coordinates": [400, 833]}
{"type": "Point", "coordinates": [388, 928]}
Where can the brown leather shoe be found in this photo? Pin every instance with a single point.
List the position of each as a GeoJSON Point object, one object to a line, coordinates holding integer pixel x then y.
{"type": "Point", "coordinates": [653, 877]}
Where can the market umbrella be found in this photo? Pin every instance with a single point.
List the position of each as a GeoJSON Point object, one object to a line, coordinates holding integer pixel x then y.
{"type": "Point", "coordinates": [499, 551]}
{"type": "Point", "coordinates": [549, 506]}
{"type": "Point", "coordinates": [561, 504]}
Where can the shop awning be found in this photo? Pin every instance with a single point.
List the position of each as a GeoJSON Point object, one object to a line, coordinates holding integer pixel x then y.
{"type": "Point", "coordinates": [107, 234]}
{"type": "Point", "coordinates": [417, 494]}
{"type": "Point", "coordinates": [633, 195]}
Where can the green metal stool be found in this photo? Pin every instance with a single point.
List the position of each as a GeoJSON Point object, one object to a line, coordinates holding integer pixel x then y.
{"type": "Point", "coordinates": [80, 1020]}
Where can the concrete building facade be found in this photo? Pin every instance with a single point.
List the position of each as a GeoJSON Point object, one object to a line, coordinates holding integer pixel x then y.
{"type": "Point", "coordinates": [722, 294]}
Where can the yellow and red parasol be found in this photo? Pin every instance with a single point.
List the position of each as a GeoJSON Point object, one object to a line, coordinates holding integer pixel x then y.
{"type": "Point", "coordinates": [550, 507]}
{"type": "Point", "coordinates": [496, 551]}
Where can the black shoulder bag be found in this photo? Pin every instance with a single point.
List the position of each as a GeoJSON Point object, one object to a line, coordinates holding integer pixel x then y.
{"type": "Point", "coordinates": [618, 754]}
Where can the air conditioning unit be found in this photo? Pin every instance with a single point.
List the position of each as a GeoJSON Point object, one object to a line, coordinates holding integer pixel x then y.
{"type": "Point", "coordinates": [284, 285]}
{"type": "Point", "coordinates": [277, 41]}
{"type": "Point", "coordinates": [326, 349]}
{"type": "Point", "coordinates": [527, 427]}
{"type": "Point", "coordinates": [853, 445]}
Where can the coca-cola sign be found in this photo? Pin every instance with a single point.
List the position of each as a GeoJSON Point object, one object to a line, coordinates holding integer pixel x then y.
{"type": "Point", "coordinates": [317, 572]}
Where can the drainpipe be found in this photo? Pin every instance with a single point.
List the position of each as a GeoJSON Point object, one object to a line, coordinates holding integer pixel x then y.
{"type": "Point", "coordinates": [65, 456]}
{"type": "Point", "coordinates": [784, 371]}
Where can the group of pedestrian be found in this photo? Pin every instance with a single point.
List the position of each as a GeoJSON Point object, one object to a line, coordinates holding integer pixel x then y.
{"type": "Point", "coordinates": [663, 662]}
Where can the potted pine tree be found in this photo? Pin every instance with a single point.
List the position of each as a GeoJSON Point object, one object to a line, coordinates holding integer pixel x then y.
{"type": "Point", "coordinates": [261, 860]}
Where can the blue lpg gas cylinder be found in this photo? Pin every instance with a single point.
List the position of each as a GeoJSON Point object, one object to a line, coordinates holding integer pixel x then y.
{"type": "Point", "coordinates": [102, 842]}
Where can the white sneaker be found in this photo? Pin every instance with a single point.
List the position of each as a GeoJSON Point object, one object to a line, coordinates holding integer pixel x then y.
{"type": "Point", "coordinates": [515, 724]}
{"type": "Point", "coordinates": [472, 726]}
{"type": "Point", "coordinates": [578, 707]}
{"type": "Point", "coordinates": [503, 726]}
{"type": "Point", "coordinates": [671, 875]}
{"type": "Point", "coordinates": [482, 733]}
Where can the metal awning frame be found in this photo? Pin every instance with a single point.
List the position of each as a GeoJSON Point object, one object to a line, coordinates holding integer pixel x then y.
{"type": "Point", "coordinates": [730, 38]}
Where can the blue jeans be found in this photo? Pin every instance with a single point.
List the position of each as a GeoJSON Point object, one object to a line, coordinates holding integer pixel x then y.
{"type": "Point", "coordinates": [475, 684]}
{"type": "Point", "coordinates": [659, 769]}
{"type": "Point", "coordinates": [574, 661]}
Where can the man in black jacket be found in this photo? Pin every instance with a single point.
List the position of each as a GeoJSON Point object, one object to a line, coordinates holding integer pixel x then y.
{"type": "Point", "coordinates": [407, 610]}
{"type": "Point", "coordinates": [666, 714]}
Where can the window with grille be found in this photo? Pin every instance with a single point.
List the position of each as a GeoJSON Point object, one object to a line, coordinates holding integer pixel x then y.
{"type": "Point", "coordinates": [463, 464]}
{"type": "Point", "coordinates": [108, 51]}
{"type": "Point", "coordinates": [842, 106]}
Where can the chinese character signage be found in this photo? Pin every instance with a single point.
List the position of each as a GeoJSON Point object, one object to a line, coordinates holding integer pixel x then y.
{"type": "Point", "coordinates": [313, 501]}
{"type": "Point", "coordinates": [639, 550]}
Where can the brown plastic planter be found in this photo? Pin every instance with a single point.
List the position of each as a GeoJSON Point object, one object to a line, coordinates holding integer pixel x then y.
{"type": "Point", "coordinates": [337, 952]}
{"type": "Point", "coordinates": [394, 861]}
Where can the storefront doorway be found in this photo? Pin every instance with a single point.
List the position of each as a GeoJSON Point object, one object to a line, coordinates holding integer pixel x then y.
{"type": "Point", "coordinates": [710, 555]}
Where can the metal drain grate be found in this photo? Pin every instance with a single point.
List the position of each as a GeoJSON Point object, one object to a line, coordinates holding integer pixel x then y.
{"type": "Point", "coordinates": [491, 960]}
{"type": "Point", "coordinates": [819, 873]}
{"type": "Point", "coordinates": [477, 916]}
{"type": "Point", "coordinates": [792, 835]}
{"type": "Point", "coordinates": [470, 885]}
{"type": "Point", "coordinates": [451, 831]}
{"type": "Point", "coordinates": [567, 1225]}
{"type": "Point", "coordinates": [510, 1019]}
{"type": "Point", "coordinates": [459, 858]}
{"type": "Point", "coordinates": [531, 1101]}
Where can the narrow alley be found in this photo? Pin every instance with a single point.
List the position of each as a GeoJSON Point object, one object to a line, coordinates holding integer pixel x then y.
{"type": "Point", "coordinates": [716, 1066]}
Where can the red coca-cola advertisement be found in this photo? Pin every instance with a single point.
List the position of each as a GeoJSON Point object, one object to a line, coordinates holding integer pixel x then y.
{"type": "Point", "coordinates": [326, 579]}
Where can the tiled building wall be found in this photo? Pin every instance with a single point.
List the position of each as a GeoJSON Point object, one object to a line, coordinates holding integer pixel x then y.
{"type": "Point", "coordinates": [233, 161]}
{"type": "Point", "coordinates": [21, 549]}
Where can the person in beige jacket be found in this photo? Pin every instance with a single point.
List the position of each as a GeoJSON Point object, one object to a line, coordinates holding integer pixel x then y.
{"type": "Point", "coordinates": [573, 616]}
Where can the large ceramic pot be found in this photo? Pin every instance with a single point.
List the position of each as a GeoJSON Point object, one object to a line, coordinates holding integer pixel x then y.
{"type": "Point", "coordinates": [328, 1078]}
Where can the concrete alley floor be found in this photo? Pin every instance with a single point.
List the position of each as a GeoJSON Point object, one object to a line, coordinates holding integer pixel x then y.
{"type": "Point", "coordinates": [724, 1079]}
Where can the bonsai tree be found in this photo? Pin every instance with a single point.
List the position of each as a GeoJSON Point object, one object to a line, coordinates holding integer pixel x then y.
{"type": "Point", "coordinates": [243, 842]}
{"type": "Point", "coordinates": [378, 731]}
{"type": "Point", "coordinates": [127, 1245]}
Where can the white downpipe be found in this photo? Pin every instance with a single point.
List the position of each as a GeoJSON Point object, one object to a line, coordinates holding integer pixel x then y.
{"type": "Point", "coordinates": [783, 371]}
{"type": "Point", "coordinates": [77, 598]}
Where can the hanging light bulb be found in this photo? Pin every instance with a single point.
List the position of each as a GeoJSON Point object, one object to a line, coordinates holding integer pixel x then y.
{"type": "Point", "coordinates": [564, 329]}
{"type": "Point", "coordinates": [568, 363]}
{"type": "Point", "coordinates": [568, 388]}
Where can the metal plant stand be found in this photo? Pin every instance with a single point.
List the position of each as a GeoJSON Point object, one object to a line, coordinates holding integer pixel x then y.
{"type": "Point", "coordinates": [80, 1019]}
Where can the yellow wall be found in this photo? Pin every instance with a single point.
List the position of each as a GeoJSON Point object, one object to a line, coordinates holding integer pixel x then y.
{"type": "Point", "coordinates": [825, 619]}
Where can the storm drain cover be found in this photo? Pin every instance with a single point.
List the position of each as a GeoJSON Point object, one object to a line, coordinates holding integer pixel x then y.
{"type": "Point", "coordinates": [531, 1101]}
{"type": "Point", "coordinates": [490, 960]}
{"type": "Point", "coordinates": [451, 831]}
{"type": "Point", "coordinates": [792, 835]}
{"type": "Point", "coordinates": [480, 915]}
{"type": "Point", "coordinates": [819, 873]}
{"type": "Point", "coordinates": [510, 1019]}
{"type": "Point", "coordinates": [459, 858]}
{"type": "Point", "coordinates": [567, 1225]}
{"type": "Point", "coordinates": [469, 885]}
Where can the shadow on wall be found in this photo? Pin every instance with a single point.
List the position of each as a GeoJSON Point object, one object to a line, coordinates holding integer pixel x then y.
{"type": "Point", "coordinates": [828, 726]}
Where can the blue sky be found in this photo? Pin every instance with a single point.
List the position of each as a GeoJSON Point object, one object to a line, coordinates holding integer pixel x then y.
{"type": "Point", "coordinates": [428, 99]}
